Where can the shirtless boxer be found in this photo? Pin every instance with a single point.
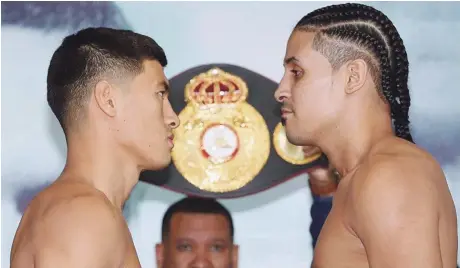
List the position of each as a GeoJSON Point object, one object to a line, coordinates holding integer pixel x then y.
{"type": "Point", "coordinates": [108, 90]}
{"type": "Point", "coordinates": [344, 87]}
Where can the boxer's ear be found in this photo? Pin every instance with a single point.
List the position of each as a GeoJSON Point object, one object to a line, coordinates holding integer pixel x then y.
{"type": "Point", "coordinates": [235, 256]}
{"type": "Point", "coordinates": [159, 255]}
{"type": "Point", "coordinates": [105, 95]}
{"type": "Point", "coordinates": [356, 74]}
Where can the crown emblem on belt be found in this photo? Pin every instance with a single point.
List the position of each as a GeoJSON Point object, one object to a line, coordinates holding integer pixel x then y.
{"type": "Point", "coordinates": [216, 87]}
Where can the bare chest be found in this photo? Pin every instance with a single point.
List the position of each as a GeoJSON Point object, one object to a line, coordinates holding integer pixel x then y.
{"type": "Point", "coordinates": [131, 260]}
{"type": "Point", "coordinates": [337, 246]}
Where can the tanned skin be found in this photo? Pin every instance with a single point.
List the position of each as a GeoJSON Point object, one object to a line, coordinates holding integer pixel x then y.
{"type": "Point", "coordinates": [392, 208]}
{"type": "Point", "coordinates": [77, 221]}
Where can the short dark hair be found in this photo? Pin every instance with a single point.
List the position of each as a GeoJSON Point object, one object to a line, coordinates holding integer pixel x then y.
{"type": "Point", "coordinates": [195, 205]}
{"type": "Point", "coordinates": [350, 31]}
{"type": "Point", "coordinates": [89, 55]}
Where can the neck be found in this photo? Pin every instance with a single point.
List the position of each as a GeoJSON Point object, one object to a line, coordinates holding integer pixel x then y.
{"type": "Point", "coordinates": [94, 159]}
{"type": "Point", "coordinates": [351, 142]}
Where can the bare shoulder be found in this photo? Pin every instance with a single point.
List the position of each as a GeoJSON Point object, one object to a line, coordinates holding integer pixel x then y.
{"type": "Point", "coordinates": [89, 210]}
{"type": "Point", "coordinates": [400, 180]}
{"type": "Point", "coordinates": [83, 230]}
{"type": "Point", "coordinates": [401, 164]}
{"type": "Point", "coordinates": [403, 167]}
{"type": "Point", "coordinates": [399, 193]}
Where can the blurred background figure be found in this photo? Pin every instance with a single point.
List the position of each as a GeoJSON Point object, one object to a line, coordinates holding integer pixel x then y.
{"type": "Point", "coordinates": [197, 232]}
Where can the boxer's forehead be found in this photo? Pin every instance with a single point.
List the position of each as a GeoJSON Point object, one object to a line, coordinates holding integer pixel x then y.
{"type": "Point", "coordinates": [200, 226]}
{"type": "Point", "coordinates": [299, 47]}
{"type": "Point", "coordinates": [301, 52]}
{"type": "Point", "coordinates": [153, 70]}
{"type": "Point", "coordinates": [151, 77]}
{"type": "Point", "coordinates": [153, 73]}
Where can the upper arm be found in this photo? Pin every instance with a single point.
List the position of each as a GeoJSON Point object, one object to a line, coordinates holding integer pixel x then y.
{"type": "Point", "coordinates": [81, 233]}
{"type": "Point", "coordinates": [396, 215]}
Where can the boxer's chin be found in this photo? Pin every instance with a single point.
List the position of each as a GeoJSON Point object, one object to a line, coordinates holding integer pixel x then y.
{"type": "Point", "coordinates": [157, 160]}
{"type": "Point", "coordinates": [293, 133]}
{"type": "Point", "coordinates": [294, 139]}
{"type": "Point", "coordinates": [297, 136]}
{"type": "Point", "coordinates": [161, 162]}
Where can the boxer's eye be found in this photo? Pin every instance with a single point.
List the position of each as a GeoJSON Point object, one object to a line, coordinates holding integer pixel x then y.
{"type": "Point", "coordinates": [162, 94]}
{"type": "Point", "coordinates": [217, 248]}
{"type": "Point", "coordinates": [184, 247]}
{"type": "Point", "coordinates": [296, 73]}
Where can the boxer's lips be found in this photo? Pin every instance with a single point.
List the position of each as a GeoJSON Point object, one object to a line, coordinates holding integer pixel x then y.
{"type": "Point", "coordinates": [171, 140]}
{"type": "Point", "coordinates": [285, 112]}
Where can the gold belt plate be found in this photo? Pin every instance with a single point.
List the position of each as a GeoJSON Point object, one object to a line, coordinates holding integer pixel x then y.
{"type": "Point", "coordinates": [222, 142]}
{"type": "Point", "coordinates": [289, 152]}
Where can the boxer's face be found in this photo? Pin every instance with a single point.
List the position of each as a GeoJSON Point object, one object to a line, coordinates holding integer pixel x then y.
{"type": "Point", "coordinates": [198, 240]}
{"type": "Point", "coordinates": [307, 91]}
{"type": "Point", "coordinates": [146, 118]}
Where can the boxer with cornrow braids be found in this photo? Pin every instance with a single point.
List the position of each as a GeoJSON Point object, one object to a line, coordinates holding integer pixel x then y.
{"type": "Point", "coordinates": [345, 90]}
{"type": "Point", "coordinates": [378, 24]}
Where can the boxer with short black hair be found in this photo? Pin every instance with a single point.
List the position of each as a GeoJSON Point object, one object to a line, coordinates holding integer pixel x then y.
{"type": "Point", "coordinates": [197, 232]}
{"type": "Point", "coordinates": [109, 92]}
{"type": "Point", "coordinates": [345, 90]}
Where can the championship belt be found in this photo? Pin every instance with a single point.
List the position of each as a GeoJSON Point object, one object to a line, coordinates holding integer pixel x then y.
{"type": "Point", "coordinates": [222, 142]}
{"type": "Point", "coordinates": [230, 141]}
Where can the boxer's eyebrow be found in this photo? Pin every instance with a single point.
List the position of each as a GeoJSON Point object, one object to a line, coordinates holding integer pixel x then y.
{"type": "Point", "coordinates": [180, 240]}
{"type": "Point", "coordinates": [290, 60]}
{"type": "Point", "coordinates": [220, 240]}
{"type": "Point", "coordinates": [164, 85]}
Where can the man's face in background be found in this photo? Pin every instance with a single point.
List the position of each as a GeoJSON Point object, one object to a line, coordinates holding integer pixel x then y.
{"type": "Point", "coordinates": [197, 240]}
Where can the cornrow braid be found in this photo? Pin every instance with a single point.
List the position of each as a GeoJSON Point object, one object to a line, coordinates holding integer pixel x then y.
{"type": "Point", "coordinates": [375, 46]}
{"type": "Point", "coordinates": [365, 27]}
